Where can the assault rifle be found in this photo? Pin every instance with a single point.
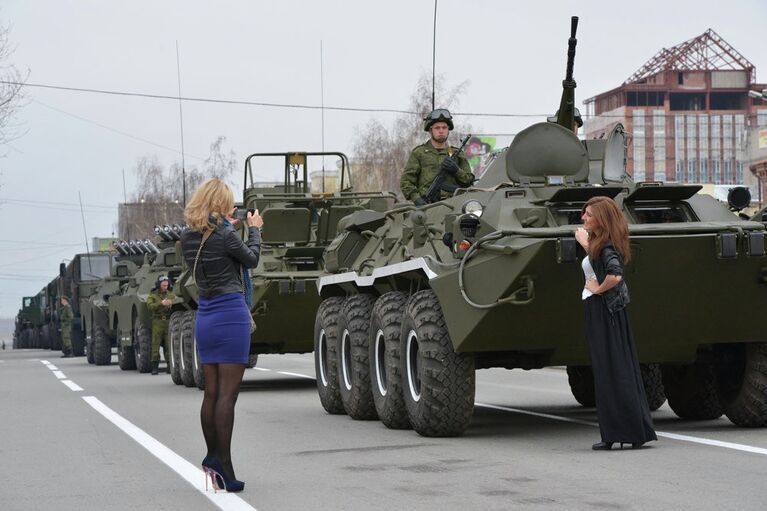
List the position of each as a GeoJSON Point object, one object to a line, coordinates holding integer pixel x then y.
{"type": "Point", "coordinates": [432, 194]}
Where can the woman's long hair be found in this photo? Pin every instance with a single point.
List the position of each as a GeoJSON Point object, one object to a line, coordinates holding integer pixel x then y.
{"type": "Point", "coordinates": [213, 199]}
{"type": "Point", "coordinates": [610, 226]}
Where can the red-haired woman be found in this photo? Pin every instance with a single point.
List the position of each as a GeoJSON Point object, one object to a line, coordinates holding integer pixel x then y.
{"type": "Point", "coordinates": [622, 410]}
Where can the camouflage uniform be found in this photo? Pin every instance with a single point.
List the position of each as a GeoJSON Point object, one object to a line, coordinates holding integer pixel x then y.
{"type": "Point", "coordinates": [65, 319]}
{"type": "Point", "coordinates": [160, 320]}
{"type": "Point", "coordinates": [423, 167]}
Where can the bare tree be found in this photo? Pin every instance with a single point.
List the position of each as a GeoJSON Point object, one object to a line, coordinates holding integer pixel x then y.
{"type": "Point", "coordinates": [380, 153]}
{"type": "Point", "coordinates": [11, 83]}
{"type": "Point", "coordinates": [158, 196]}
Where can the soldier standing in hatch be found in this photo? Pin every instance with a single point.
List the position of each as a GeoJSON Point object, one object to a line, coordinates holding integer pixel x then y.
{"type": "Point", "coordinates": [65, 320]}
{"type": "Point", "coordinates": [159, 302]}
{"type": "Point", "coordinates": [428, 159]}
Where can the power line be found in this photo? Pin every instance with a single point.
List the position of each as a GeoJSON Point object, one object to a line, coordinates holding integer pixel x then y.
{"type": "Point", "coordinates": [114, 130]}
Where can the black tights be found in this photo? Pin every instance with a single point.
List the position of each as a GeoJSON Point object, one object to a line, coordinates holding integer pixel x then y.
{"type": "Point", "coordinates": [222, 385]}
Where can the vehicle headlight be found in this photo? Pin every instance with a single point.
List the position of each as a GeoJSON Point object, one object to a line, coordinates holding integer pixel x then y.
{"type": "Point", "coordinates": [473, 207]}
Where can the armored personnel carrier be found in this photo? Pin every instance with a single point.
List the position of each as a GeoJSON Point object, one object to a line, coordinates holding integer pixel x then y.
{"type": "Point", "coordinates": [99, 336]}
{"type": "Point", "coordinates": [299, 222]}
{"type": "Point", "coordinates": [129, 316]}
{"type": "Point", "coordinates": [416, 299]}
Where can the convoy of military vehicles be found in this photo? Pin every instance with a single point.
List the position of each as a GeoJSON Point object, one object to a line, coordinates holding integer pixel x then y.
{"type": "Point", "coordinates": [402, 304]}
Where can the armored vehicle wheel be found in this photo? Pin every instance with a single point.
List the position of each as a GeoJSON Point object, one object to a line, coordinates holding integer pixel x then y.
{"type": "Point", "coordinates": [581, 380]}
{"type": "Point", "coordinates": [325, 357]}
{"type": "Point", "coordinates": [438, 383]}
{"type": "Point", "coordinates": [89, 350]}
{"type": "Point", "coordinates": [385, 375]}
{"type": "Point", "coordinates": [174, 334]}
{"type": "Point", "coordinates": [142, 347]}
{"type": "Point", "coordinates": [353, 363]}
{"type": "Point", "coordinates": [252, 360]}
{"type": "Point", "coordinates": [653, 385]}
{"type": "Point", "coordinates": [126, 360]}
{"type": "Point", "coordinates": [691, 390]}
{"type": "Point", "coordinates": [188, 349]}
{"type": "Point", "coordinates": [742, 379]}
{"type": "Point", "coordinates": [45, 333]}
{"type": "Point", "coordinates": [102, 347]}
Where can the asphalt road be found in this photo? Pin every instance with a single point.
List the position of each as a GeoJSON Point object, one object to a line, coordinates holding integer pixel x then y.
{"type": "Point", "coordinates": [132, 442]}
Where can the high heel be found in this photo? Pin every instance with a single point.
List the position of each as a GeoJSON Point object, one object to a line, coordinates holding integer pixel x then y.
{"type": "Point", "coordinates": [602, 446]}
{"type": "Point", "coordinates": [213, 469]}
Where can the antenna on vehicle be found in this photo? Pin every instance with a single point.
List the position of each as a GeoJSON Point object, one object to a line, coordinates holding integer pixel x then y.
{"type": "Point", "coordinates": [322, 110]}
{"type": "Point", "coordinates": [85, 232]}
{"type": "Point", "coordinates": [181, 122]}
{"type": "Point", "coordinates": [433, 54]}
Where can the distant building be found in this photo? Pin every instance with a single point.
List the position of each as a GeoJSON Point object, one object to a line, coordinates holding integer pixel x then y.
{"type": "Point", "coordinates": [689, 113]}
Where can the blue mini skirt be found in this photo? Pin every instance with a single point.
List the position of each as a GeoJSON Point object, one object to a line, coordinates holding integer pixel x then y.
{"type": "Point", "coordinates": [222, 329]}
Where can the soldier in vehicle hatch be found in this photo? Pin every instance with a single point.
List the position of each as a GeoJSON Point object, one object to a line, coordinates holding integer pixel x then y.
{"type": "Point", "coordinates": [159, 302]}
{"type": "Point", "coordinates": [427, 160]}
{"type": "Point", "coordinates": [65, 320]}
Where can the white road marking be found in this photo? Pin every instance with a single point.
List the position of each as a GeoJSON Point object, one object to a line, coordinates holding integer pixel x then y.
{"type": "Point", "coordinates": [59, 375]}
{"type": "Point", "coordinates": [45, 362]}
{"type": "Point", "coordinates": [52, 367]}
{"type": "Point", "coordinates": [286, 373]}
{"type": "Point", "coordinates": [189, 472]}
{"type": "Point", "coordinates": [72, 385]}
{"type": "Point", "coordinates": [663, 434]}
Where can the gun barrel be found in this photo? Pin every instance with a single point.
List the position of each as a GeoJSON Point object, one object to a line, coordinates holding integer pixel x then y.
{"type": "Point", "coordinates": [571, 43]}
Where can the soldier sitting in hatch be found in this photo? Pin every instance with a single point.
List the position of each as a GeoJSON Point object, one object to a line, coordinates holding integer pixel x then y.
{"type": "Point", "coordinates": [159, 302]}
{"type": "Point", "coordinates": [427, 160]}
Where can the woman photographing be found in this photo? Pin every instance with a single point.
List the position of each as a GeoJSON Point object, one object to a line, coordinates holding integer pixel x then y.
{"type": "Point", "coordinates": [622, 410]}
{"type": "Point", "coordinates": [217, 256]}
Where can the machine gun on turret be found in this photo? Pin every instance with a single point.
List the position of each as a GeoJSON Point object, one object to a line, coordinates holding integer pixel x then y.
{"type": "Point", "coordinates": [567, 116]}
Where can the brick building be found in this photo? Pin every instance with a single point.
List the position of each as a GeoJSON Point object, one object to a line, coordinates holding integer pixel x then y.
{"type": "Point", "coordinates": [689, 113]}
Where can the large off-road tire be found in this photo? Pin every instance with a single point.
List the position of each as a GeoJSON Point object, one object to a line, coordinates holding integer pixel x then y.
{"type": "Point", "coordinates": [353, 351]}
{"type": "Point", "coordinates": [385, 367]}
{"type": "Point", "coordinates": [174, 339]}
{"type": "Point", "coordinates": [437, 383]}
{"type": "Point", "coordinates": [581, 380]}
{"type": "Point", "coordinates": [691, 390]}
{"type": "Point", "coordinates": [188, 348]}
{"type": "Point", "coordinates": [742, 382]}
{"type": "Point", "coordinates": [252, 360]}
{"type": "Point", "coordinates": [126, 359]}
{"type": "Point", "coordinates": [45, 335]}
{"type": "Point", "coordinates": [325, 357]}
{"type": "Point", "coordinates": [102, 347]}
{"type": "Point", "coordinates": [653, 385]}
{"type": "Point", "coordinates": [89, 348]}
{"type": "Point", "coordinates": [142, 346]}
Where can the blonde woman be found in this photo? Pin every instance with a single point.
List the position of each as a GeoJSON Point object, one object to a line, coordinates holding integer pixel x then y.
{"type": "Point", "coordinates": [217, 255]}
{"type": "Point", "coordinates": [622, 410]}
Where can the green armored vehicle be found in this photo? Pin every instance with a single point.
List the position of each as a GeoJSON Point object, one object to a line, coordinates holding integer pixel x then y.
{"type": "Point", "coordinates": [99, 336]}
{"type": "Point", "coordinates": [299, 222]}
{"type": "Point", "coordinates": [78, 280]}
{"type": "Point", "coordinates": [415, 300]}
{"type": "Point", "coordinates": [129, 318]}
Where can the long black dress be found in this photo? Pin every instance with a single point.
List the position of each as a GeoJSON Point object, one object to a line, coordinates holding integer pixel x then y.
{"type": "Point", "coordinates": [622, 409]}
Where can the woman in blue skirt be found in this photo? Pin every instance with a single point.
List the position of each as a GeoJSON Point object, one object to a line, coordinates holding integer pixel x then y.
{"type": "Point", "coordinates": [217, 256]}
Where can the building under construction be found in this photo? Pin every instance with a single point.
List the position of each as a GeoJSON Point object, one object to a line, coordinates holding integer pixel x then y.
{"type": "Point", "coordinates": [690, 115]}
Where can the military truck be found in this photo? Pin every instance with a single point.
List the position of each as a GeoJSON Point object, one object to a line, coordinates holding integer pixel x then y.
{"type": "Point", "coordinates": [29, 323]}
{"type": "Point", "coordinates": [299, 222]}
{"type": "Point", "coordinates": [129, 316]}
{"type": "Point", "coordinates": [416, 299]}
{"type": "Point", "coordinates": [99, 336]}
{"type": "Point", "coordinates": [78, 281]}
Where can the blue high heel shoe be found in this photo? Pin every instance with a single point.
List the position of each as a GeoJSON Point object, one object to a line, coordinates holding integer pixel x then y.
{"type": "Point", "coordinates": [213, 469]}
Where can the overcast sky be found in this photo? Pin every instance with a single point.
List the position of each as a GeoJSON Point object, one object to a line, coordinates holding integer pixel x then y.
{"type": "Point", "coordinates": [511, 52]}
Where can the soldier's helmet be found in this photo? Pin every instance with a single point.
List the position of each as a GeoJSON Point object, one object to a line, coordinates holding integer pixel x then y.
{"type": "Point", "coordinates": [438, 115]}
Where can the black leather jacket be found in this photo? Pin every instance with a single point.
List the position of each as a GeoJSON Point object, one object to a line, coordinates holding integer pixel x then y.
{"type": "Point", "coordinates": [610, 262]}
{"type": "Point", "coordinates": [224, 254]}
